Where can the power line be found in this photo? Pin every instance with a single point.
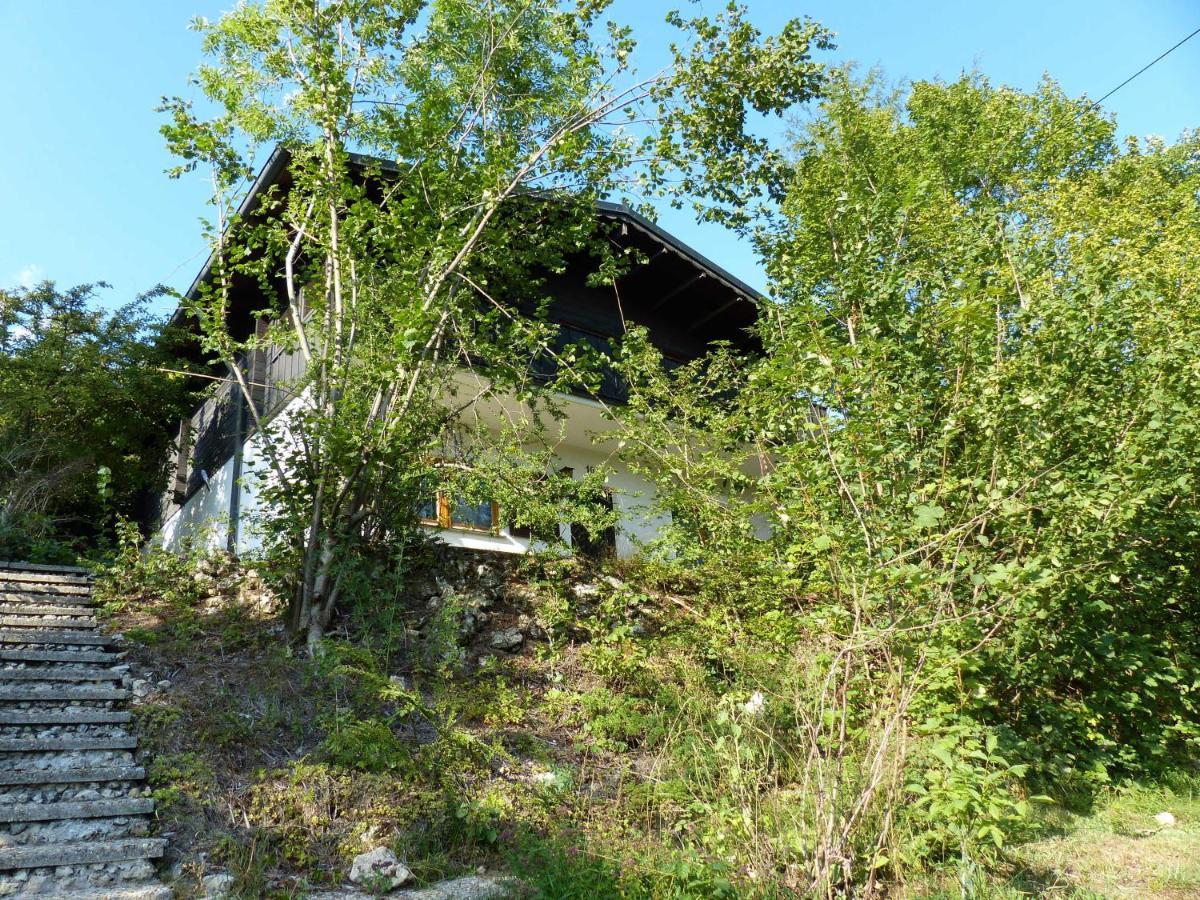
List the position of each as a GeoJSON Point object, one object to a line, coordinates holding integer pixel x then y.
{"type": "Point", "coordinates": [1144, 68]}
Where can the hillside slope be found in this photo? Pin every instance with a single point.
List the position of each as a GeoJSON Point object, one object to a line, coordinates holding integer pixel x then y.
{"type": "Point", "coordinates": [543, 721]}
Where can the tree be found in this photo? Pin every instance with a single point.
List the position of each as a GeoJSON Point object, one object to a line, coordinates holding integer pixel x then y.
{"type": "Point", "coordinates": [83, 399]}
{"type": "Point", "coordinates": [974, 436]}
{"type": "Point", "coordinates": [500, 124]}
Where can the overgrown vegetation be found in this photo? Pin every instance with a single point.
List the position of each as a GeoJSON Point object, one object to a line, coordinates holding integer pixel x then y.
{"type": "Point", "coordinates": [414, 279]}
{"type": "Point", "coordinates": [925, 620]}
{"type": "Point", "coordinates": [623, 752]}
{"type": "Point", "coordinates": [959, 488]}
{"type": "Point", "coordinates": [85, 418]}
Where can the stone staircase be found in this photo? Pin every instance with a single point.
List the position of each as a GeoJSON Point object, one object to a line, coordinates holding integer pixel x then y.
{"type": "Point", "coordinates": [74, 816]}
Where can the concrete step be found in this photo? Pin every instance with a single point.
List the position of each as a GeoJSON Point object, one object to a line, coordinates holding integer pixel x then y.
{"type": "Point", "coordinates": [72, 776]}
{"type": "Point", "coordinates": [26, 581]}
{"type": "Point", "coordinates": [45, 593]}
{"type": "Point", "coordinates": [12, 594]}
{"type": "Point", "coordinates": [64, 717]}
{"type": "Point", "coordinates": [43, 622]}
{"type": "Point", "coordinates": [82, 853]}
{"type": "Point", "coordinates": [66, 589]}
{"type": "Point", "coordinates": [10, 582]}
{"type": "Point", "coordinates": [55, 745]}
{"type": "Point", "coordinates": [39, 609]}
{"type": "Point", "coordinates": [32, 636]}
{"type": "Point", "coordinates": [54, 673]}
{"type": "Point", "coordinates": [28, 586]}
{"type": "Point", "coordinates": [83, 602]}
{"type": "Point", "coordinates": [138, 892]}
{"type": "Point", "coordinates": [45, 577]}
{"type": "Point", "coordinates": [45, 568]}
{"type": "Point", "coordinates": [88, 809]}
{"type": "Point", "coordinates": [61, 656]}
{"type": "Point", "coordinates": [59, 693]}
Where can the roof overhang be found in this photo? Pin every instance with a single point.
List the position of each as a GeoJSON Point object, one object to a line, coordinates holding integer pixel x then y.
{"type": "Point", "coordinates": [724, 295]}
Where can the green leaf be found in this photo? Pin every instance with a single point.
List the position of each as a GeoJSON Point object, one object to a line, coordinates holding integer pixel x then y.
{"type": "Point", "coordinates": [928, 515]}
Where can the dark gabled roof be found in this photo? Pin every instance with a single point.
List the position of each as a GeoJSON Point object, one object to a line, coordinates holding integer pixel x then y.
{"type": "Point", "coordinates": [723, 297]}
{"type": "Point", "coordinates": [666, 239]}
{"type": "Point", "coordinates": [267, 176]}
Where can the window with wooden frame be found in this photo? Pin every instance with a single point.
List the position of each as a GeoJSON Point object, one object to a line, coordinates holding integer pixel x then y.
{"type": "Point", "coordinates": [461, 515]}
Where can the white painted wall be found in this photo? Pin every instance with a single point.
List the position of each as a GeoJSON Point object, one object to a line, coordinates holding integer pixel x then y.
{"type": "Point", "coordinates": [202, 522]}
{"type": "Point", "coordinates": [580, 444]}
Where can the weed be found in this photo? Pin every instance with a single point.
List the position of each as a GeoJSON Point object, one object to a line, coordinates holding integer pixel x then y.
{"type": "Point", "coordinates": [365, 745]}
{"type": "Point", "coordinates": [180, 777]}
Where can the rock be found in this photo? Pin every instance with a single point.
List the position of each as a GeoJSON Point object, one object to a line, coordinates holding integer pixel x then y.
{"type": "Point", "coordinates": [533, 631]}
{"type": "Point", "coordinates": [508, 639]}
{"type": "Point", "coordinates": [585, 591]}
{"type": "Point", "coordinates": [400, 681]}
{"type": "Point", "coordinates": [475, 600]}
{"type": "Point", "coordinates": [754, 706]}
{"type": "Point", "coordinates": [141, 688]}
{"type": "Point", "coordinates": [613, 582]}
{"type": "Point", "coordinates": [218, 886]}
{"type": "Point", "coordinates": [468, 887]}
{"type": "Point", "coordinates": [379, 870]}
{"type": "Point", "coordinates": [1165, 819]}
{"type": "Point", "coordinates": [164, 685]}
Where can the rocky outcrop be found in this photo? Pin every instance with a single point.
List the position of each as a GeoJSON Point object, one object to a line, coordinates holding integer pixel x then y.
{"type": "Point", "coordinates": [73, 810]}
{"type": "Point", "coordinates": [379, 870]}
{"type": "Point", "coordinates": [468, 887]}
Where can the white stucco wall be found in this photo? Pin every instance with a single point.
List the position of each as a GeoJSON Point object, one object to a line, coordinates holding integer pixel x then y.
{"type": "Point", "coordinates": [639, 519]}
{"type": "Point", "coordinates": [202, 522]}
{"type": "Point", "coordinates": [204, 519]}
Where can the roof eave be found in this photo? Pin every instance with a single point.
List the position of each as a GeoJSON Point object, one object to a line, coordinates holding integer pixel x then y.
{"type": "Point", "coordinates": [620, 210]}
{"type": "Point", "coordinates": [279, 159]}
{"type": "Point", "coordinates": [266, 176]}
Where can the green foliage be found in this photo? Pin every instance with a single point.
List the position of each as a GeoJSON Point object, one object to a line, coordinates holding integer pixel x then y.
{"type": "Point", "coordinates": [180, 777]}
{"type": "Point", "coordinates": [491, 130]}
{"type": "Point", "coordinates": [962, 473]}
{"type": "Point", "coordinates": [35, 538]}
{"type": "Point", "coordinates": [85, 417]}
{"type": "Point", "coordinates": [965, 800]}
{"type": "Point", "coordinates": [441, 649]}
{"type": "Point", "coordinates": [561, 870]}
{"type": "Point", "coordinates": [368, 745]}
{"type": "Point", "coordinates": [129, 574]}
{"type": "Point", "coordinates": [558, 869]}
{"type": "Point", "coordinates": [615, 722]}
{"type": "Point", "coordinates": [249, 859]}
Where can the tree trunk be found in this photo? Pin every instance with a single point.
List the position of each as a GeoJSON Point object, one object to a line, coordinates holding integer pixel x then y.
{"type": "Point", "coordinates": [319, 608]}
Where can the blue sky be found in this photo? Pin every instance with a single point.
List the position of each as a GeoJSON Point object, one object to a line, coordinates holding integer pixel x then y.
{"type": "Point", "coordinates": [83, 196]}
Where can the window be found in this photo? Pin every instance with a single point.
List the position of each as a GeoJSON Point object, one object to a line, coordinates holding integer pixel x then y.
{"type": "Point", "coordinates": [439, 511]}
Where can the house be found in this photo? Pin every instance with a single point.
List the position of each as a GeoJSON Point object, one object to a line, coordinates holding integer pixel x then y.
{"type": "Point", "coordinates": [685, 301]}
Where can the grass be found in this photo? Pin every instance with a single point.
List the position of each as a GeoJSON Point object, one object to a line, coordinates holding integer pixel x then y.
{"type": "Point", "coordinates": [1118, 850]}
{"type": "Point", "coordinates": [1114, 851]}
